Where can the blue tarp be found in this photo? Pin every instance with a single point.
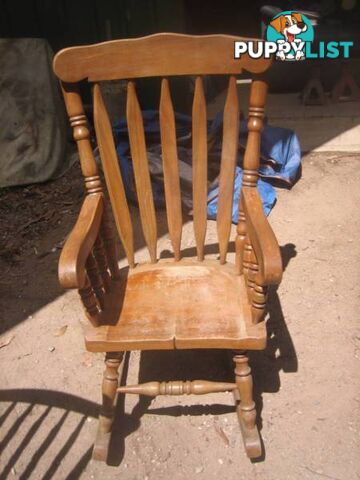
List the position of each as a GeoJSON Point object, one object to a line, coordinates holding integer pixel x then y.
{"type": "Point", "coordinates": [266, 191]}
{"type": "Point", "coordinates": [280, 159]}
{"type": "Point", "coordinates": [280, 150]}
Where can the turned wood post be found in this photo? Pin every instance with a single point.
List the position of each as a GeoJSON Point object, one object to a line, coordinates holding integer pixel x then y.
{"type": "Point", "coordinates": [246, 408]}
{"type": "Point", "coordinates": [258, 95]}
{"type": "Point", "coordinates": [81, 135]}
{"type": "Point", "coordinates": [177, 387]}
{"type": "Point", "coordinates": [251, 164]}
{"type": "Point", "coordinates": [257, 293]}
{"type": "Point", "coordinates": [240, 240]}
{"type": "Point", "coordinates": [109, 386]}
{"type": "Point", "coordinates": [258, 302]}
{"type": "Point", "coordinates": [95, 279]}
{"type": "Point", "coordinates": [90, 302]}
{"type": "Point", "coordinates": [113, 361]}
{"type": "Point", "coordinates": [105, 248]}
{"type": "Point", "coordinates": [101, 260]}
{"type": "Point", "coordinates": [252, 268]}
{"type": "Point", "coordinates": [246, 259]}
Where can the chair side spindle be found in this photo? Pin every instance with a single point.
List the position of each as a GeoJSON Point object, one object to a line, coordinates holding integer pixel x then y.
{"type": "Point", "coordinates": [112, 175]}
{"type": "Point", "coordinates": [90, 302]}
{"type": "Point", "coordinates": [95, 279]}
{"type": "Point", "coordinates": [101, 260]}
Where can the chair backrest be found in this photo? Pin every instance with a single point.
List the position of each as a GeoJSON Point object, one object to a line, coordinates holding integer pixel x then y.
{"type": "Point", "coordinates": [164, 55]}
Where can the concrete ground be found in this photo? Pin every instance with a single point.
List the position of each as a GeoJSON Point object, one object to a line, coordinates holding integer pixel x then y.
{"type": "Point", "coordinates": [307, 381]}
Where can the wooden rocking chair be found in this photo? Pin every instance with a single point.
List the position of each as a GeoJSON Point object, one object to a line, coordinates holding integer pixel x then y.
{"type": "Point", "coordinates": [178, 303]}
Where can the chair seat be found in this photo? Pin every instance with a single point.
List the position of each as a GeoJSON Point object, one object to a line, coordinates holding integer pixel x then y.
{"type": "Point", "coordinates": [177, 305]}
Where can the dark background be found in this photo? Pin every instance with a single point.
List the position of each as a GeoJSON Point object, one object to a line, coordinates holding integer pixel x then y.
{"type": "Point", "coordinates": [72, 22]}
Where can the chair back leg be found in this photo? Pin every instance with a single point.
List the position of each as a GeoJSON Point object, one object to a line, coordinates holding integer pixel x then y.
{"type": "Point", "coordinates": [110, 383]}
{"type": "Point", "coordinates": [245, 408]}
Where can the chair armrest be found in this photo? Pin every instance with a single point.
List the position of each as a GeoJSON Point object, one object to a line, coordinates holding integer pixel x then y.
{"type": "Point", "coordinates": [262, 238]}
{"type": "Point", "coordinates": [72, 273]}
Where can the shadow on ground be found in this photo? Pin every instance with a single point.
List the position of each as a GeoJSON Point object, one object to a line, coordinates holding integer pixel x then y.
{"type": "Point", "coordinates": [215, 365]}
{"type": "Point", "coordinates": [50, 400]}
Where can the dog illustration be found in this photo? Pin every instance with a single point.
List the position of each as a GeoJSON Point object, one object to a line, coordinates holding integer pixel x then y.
{"type": "Point", "coordinates": [289, 26]}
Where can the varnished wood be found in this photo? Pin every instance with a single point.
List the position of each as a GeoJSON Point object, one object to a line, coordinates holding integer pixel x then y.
{"type": "Point", "coordinates": [107, 235]}
{"type": "Point", "coordinates": [189, 303]}
{"type": "Point", "coordinates": [199, 152]}
{"type": "Point", "coordinates": [159, 55]}
{"type": "Point", "coordinates": [170, 167]}
{"type": "Point", "coordinates": [112, 175]}
{"type": "Point", "coordinates": [90, 303]}
{"type": "Point", "coordinates": [252, 269]}
{"type": "Point", "coordinates": [82, 239]}
{"type": "Point", "coordinates": [258, 93]}
{"type": "Point", "coordinates": [257, 250]}
{"type": "Point", "coordinates": [80, 243]}
{"type": "Point", "coordinates": [240, 239]}
{"type": "Point", "coordinates": [81, 135]}
{"type": "Point", "coordinates": [246, 259]}
{"type": "Point", "coordinates": [106, 418]}
{"type": "Point", "coordinates": [262, 238]}
{"type": "Point", "coordinates": [258, 304]}
{"type": "Point", "coordinates": [195, 387]}
{"type": "Point", "coordinates": [256, 291]}
{"type": "Point", "coordinates": [246, 406]}
{"type": "Point", "coordinates": [227, 170]}
{"type": "Point", "coordinates": [197, 319]}
{"type": "Point", "coordinates": [100, 257]}
{"type": "Point", "coordinates": [141, 170]}
{"type": "Point", "coordinates": [95, 279]}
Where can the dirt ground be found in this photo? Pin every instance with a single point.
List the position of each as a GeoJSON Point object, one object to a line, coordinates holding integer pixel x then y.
{"type": "Point", "coordinates": [307, 381]}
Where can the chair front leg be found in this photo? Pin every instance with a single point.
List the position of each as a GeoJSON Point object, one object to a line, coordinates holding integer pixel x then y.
{"type": "Point", "coordinates": [246, 406]}
{"type": "Point", "coordinates": [110, 383]}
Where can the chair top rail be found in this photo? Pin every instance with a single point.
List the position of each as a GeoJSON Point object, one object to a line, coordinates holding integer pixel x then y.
{"type": "Point", "coordinates": [158, 55]}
